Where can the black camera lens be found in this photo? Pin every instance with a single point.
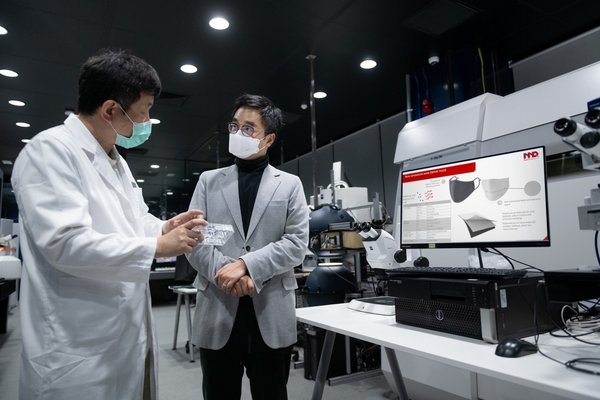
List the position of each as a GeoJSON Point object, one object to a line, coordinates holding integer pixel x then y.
{"type": "Point", "coordinates": [592, 118]}
{"type": "Point", "coordinates": [590, 139]}
{"type": "Point", "coordinates": [565, 127]}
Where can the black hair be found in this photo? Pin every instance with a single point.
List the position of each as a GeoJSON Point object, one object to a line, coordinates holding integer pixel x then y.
{"type": "Point", "coordinates": [271, 116]}
{"type": "Point", "coordinates": [115, 75]}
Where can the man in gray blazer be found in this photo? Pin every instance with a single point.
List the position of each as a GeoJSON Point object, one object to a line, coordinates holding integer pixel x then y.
{"type": "Point", "coordinates": [245, 310]}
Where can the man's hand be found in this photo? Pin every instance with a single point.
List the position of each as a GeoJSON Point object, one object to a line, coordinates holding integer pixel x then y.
{"type": "Point", "coordinates": [181, 219]}
{"type": "Point", "coordinates": [244, 287]}
{"type": "Point", "coordinates": [230, 274]}
{"type": "Point", "coordinates": [181, 239]}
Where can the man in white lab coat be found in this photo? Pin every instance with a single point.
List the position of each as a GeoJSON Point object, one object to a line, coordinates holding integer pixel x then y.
{"type": "Point", "coordinates": [88, 242]}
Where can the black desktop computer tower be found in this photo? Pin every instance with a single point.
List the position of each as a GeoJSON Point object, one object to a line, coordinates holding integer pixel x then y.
{"type": "Point", "coordinates": [490, 310]}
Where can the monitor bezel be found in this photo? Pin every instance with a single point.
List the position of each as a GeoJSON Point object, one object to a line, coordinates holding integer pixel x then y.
{"type": "Point", "coordinates": [478, 244]}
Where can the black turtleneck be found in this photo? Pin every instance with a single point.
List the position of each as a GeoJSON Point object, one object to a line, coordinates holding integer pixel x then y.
{"type": "Point", "coordinates": [249, 176]}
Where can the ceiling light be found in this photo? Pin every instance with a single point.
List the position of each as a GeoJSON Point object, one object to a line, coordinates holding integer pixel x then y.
{"type": "Point", "coordinates": [155, 121]}
{"type": "Point", "coordinates": [196, 173]}
{"type": "Point", "coordinates": [219, 23]}
{"type": "Point", "coordinates": [23, 124]}
{"type": "Point", "coordinates": [16, 103]}
{"type": "Point", "coordinates": [303, 106]}
{"type": "Point", "coordinates": [9, 73]}
{"type": "Point", "coordinates": [170, 175]}
{"type": "Point", "coordinates": [3, 30]}
{"type": "Point", "coordinates": [6, 162]}
{"type": "Point", "coordinates": [185, 180]}
{"type": "Point", "coordinates": [368, 64]}
{"type": "Point", "coordinates": [140, 180]}
{"type": "Point", "coordinates": [169, 193]}
{"type": "Point", "coordinates": [25, 140]}
{"type": "Point", "coordinates": [155, 166]}
{"type": "Point", "coordinates": [320, 95]}
{"type": "Point", "coordinates": [188, 68]}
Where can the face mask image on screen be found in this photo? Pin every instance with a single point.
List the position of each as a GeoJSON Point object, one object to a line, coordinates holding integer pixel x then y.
{"type": "Point", "coordinates": [494, 188]}
{"type": "Point", "coordinates": [476, 224]}
{"type": "Point", "coordinates": [460, 190]}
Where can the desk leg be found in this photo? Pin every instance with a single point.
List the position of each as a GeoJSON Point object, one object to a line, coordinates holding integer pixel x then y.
{"type": "Point", "coordinates": [176, 321]}
{"type": "Point", "coordinates": [323, 365]}
{"type": "Point", "coordinates": [189, 326]}
{"type": "Point", "coordinates": [394, 366]}
{"type": "Point", "coordinates": [3, 315]}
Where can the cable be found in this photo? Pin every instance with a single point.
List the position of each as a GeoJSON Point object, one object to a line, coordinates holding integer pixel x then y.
{"type": "Point", "coordinates": [596, 247]}
{"type": "Point", "coordinates": [510, 258]}
{"type": "Point", "coordinates": [482, 69]}
{"type": "Point", "coordinates": [507, 259]}
{"type": "Point", "coordinates": [572, 364]}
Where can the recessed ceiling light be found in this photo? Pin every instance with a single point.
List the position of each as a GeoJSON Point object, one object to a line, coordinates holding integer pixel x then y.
{"type": "Point", "coordinates": [9, 73]}
{"type": "Point", "coordinates": [303, 106]}
{"type": "Point", "coordinates": [23, 124]}
{"type": "Point", "coordinates": [155, 121]}
{"type": "Point", "coordinates": [170, 175]}
{"type": "Point", "coordinates": [25, 140]}
{"type": "Point", "coordinates": [196, 173]}
{"type": "Point", "coordinates": [140, 180]}
{"type": "Point", "coordinates": [16, 103]}
{"type": "Point", "coordinates": [188, 68]}
{"type": "Point", "coordinates": [320, 95]}
{"type": "Point", "coordinates": [368, 64]}
{"type": "Point", "coordinates": [219, 23]}
{"type": "Point", "coordinates": [169, 193]}
{"type": "Point", "coordinates": [185, 180]}
{"type": "Point", "coordinates": [155, 166]}
{"type": "Point", "coordinates": [3, 30]}
{"type": "Point", "coordinates": [6, 162]}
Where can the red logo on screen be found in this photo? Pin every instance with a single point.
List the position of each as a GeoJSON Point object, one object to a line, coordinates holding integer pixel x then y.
{"type": "Point", "coordinates": [530, 155]}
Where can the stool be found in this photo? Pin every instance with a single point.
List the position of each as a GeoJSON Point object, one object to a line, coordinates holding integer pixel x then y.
{"type": "Point", "coordinates": [185, 292]}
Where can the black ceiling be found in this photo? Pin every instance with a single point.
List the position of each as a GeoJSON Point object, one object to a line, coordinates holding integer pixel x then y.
{"type": "Point", "coordinates": [263, 51]}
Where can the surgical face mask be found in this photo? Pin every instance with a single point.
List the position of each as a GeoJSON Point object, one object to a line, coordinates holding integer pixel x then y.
{"type": "Point", "coordinates": [243, 146]}
{"type": "Point", "coordinates": [494, 188]}
{"type": "Point", "coordinates": [460, 190]}
{"type": "Point", "coordinates": [140, 133]}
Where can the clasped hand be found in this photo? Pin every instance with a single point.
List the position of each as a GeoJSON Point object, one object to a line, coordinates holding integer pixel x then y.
{"type": "Point", "coordinates": [233, 279]}
{"type": "Point", "coordinates": [179, 235]}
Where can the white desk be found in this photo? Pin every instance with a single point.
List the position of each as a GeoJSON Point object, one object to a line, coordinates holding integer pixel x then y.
{"type": "Point", "coordinates": [533, 371]}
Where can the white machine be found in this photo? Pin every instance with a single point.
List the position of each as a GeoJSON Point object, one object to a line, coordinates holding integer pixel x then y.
{"type": "Point", "coordinates": [355, 200]}
{"type": "Point", "coordinates": [586, 139]}
{"type": "Point", "coordinates": [382, 251]}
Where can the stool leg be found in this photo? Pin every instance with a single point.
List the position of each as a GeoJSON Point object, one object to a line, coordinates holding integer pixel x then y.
{"type": "Point", "coordinates": [189, 326]}
{"type": "Point", "coordinates": [176, 320]}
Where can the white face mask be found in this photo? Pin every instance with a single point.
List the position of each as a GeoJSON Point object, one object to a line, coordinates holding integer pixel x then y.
{"type": "Point", "coordinates": [243, 146]}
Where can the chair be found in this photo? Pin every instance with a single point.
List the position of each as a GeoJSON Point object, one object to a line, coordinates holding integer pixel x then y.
{"type": "Point", "coordinates": [185, 292]}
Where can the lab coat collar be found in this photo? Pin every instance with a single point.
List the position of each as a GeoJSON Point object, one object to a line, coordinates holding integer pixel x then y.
{"type": "Point", "coordinates": [97, 156]}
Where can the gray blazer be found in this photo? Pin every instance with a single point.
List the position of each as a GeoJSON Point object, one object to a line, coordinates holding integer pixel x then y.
{"type": "Point", "coordinates": [276, 242]}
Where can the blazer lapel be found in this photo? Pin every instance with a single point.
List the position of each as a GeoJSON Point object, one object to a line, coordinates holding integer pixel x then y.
{"type": "Point", "coordinates": [231, 196]}
{"type": "Point", "coordinates": [268, 185]}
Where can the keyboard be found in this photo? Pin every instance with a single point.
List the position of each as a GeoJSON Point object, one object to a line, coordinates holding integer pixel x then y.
{"type": "Point", "coordinates": [457, 272]}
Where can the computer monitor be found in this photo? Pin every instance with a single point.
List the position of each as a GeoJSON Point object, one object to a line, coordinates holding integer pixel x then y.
{"type": "Point", "coordinates": [492, 201]}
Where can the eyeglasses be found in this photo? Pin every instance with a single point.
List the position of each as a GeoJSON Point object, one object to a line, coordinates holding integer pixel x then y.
{"type": "Point", "coordinates": [247, 130]}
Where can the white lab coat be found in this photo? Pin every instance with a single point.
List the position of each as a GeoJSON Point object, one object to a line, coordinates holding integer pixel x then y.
{"type": "Point", "coordinates": [87, 242]}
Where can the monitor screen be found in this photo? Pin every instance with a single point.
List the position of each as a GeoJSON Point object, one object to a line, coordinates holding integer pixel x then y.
{"type": "Point", "coordinates": [492, 201]}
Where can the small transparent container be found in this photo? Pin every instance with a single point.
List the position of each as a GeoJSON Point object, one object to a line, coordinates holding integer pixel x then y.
{"type": "Point", "coordinates": [215, 234]}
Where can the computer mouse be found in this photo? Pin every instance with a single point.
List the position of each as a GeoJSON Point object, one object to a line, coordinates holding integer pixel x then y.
{"type": "Point", "coordinates": [421, 262]}
{"type": "Point", "coordinates": [511, 347]}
